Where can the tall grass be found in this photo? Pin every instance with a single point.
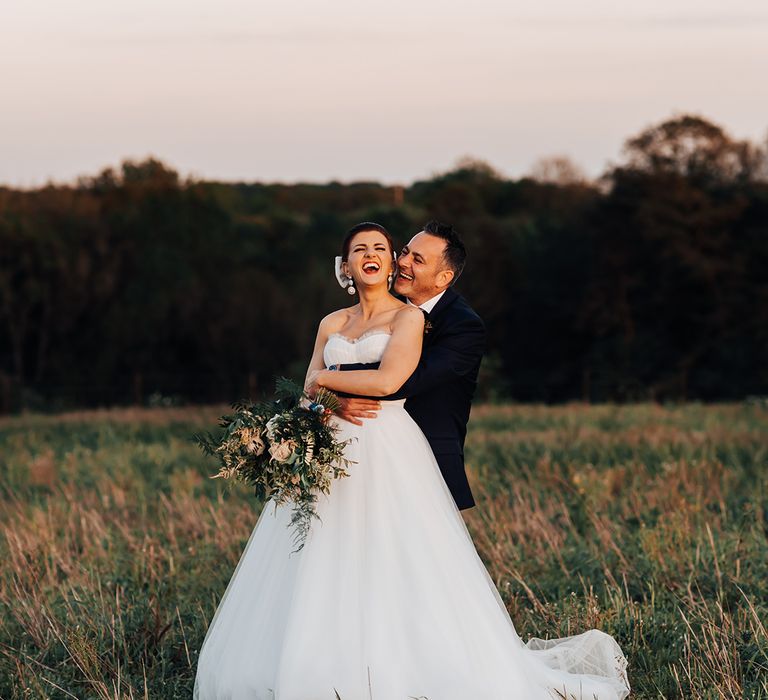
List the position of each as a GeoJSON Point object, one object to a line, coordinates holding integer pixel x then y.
{"type": "Point", "coordinates": [648, 522]}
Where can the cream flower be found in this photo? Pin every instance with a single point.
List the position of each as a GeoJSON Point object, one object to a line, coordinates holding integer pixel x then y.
{"type": "Point", "coordinates": [283, 450]}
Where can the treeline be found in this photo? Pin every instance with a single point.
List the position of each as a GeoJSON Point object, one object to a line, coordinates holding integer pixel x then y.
{"type": "Point", "coordinates": [651, 283]}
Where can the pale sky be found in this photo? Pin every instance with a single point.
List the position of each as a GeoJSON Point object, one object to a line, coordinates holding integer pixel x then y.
{"type": "Point", "coordinates": [313, 90]}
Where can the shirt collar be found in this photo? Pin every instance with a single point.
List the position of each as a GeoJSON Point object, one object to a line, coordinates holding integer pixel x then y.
{"type": "Point", "coordinates": [429, 304]}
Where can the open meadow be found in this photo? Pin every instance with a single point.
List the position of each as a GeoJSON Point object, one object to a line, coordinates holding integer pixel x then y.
{"type": "Point", "coordinates": [649, 522]}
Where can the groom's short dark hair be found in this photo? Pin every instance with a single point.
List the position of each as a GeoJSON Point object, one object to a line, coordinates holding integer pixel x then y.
{"type": "Point", "coordinates": [455, 254]}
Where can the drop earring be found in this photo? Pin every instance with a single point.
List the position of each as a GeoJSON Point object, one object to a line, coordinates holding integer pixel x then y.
{"type": "Point", "coordinates": [351, 287]}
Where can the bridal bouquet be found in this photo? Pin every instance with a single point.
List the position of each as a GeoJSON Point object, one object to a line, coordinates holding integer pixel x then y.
{"type": "Point", "coordinates": [285, 449]}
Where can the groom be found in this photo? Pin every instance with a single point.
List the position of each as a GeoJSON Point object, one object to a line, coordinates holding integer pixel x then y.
{"type": "Point", "coordinates": [439, 393]}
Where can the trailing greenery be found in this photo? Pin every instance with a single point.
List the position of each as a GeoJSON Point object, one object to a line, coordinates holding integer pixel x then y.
{"type": "Point", "coordinates": [647, 521]}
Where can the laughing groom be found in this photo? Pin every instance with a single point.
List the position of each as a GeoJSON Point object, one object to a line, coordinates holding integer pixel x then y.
{"type": "Point", "coordinates": [439, 393]}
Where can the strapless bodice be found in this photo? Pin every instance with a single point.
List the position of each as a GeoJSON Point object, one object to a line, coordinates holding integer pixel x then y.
{"type": "Point", "coordinates": [369, 347]}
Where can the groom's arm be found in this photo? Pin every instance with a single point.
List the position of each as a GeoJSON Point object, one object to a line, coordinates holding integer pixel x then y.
{"type": "Point", "coordinates": [454, 354]}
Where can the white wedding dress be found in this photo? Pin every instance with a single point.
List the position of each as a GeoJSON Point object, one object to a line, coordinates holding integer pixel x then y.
{"type": "Point", "coordinates": [388, 599]}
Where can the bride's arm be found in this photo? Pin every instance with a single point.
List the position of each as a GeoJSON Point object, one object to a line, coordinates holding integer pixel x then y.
{"type": "Point", "coordinates": [398, 363]}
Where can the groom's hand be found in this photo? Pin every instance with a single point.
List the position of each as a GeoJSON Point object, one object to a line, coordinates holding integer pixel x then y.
{"type": "Point", "coordinates": [353, 410]}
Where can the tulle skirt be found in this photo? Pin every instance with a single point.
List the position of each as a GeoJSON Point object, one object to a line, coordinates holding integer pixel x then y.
{"type": "Point", "coordinates": [388, 599]}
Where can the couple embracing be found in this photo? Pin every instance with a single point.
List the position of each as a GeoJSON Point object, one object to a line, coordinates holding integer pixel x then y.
{"type": "Point", "coordinates": [388, 599]}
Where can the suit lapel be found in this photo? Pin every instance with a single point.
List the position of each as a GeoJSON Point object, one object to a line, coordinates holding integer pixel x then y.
{"type": "Point", "coordinates": [435, 317]}
{"type": "Point", "coordinates": [445, 301]}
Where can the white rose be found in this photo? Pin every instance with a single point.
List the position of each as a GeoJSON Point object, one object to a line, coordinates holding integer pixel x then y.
{"type": "Point", "coordinates": [283, 450]}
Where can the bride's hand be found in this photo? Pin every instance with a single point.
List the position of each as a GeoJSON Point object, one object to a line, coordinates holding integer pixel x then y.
{"type": "Point", "coordinates": [311, 386]}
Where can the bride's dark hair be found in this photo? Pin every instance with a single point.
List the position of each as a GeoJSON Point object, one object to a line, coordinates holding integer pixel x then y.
{"type": "Point", "coordinates": [359, 228]}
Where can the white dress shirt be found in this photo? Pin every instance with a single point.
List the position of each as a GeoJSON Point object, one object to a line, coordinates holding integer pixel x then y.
{"type": "Point", "coordinates": [429, 304]}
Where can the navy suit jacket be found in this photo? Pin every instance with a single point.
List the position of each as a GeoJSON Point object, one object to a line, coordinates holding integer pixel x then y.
{"type": "Point", "coordinates": [439, 392]}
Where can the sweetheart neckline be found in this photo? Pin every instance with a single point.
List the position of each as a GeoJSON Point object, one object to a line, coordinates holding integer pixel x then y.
{"type": "Point", "coordinates": [353, 341]}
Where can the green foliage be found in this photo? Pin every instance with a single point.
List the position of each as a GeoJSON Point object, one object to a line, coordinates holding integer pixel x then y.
{"type": "Point", "coordinates": [649, 284]}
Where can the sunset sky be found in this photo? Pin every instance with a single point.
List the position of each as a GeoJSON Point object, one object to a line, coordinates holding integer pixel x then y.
{"type": "Point", "coordinates": [342, 89]}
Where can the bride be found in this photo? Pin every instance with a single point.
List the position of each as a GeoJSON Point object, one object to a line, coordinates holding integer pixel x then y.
{"type": "Point", "coordinates": [388, 599]}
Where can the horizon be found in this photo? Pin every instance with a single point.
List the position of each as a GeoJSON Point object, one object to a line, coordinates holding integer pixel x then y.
{"type": "Point", "coordinates": [236, 93]}
{"type": "Point", "coordinates": [465, 161]}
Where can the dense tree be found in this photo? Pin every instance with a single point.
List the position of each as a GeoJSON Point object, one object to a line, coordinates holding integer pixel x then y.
{"type": "Point", "coordinates": [694, 148]}
{"type": "Point", "coordinates": [648, 284]}
{"type": "Point", "coordinates": [672, 275]}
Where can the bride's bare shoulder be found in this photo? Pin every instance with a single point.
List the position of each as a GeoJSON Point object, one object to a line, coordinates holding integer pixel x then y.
{"type": "Point", "coordinates": [408, 314]}
{"type": "Point", "coordinates": [336, 320]}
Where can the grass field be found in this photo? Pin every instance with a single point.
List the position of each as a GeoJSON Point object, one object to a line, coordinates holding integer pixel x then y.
{"type": "Point", "coordinates": [648, 522]}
